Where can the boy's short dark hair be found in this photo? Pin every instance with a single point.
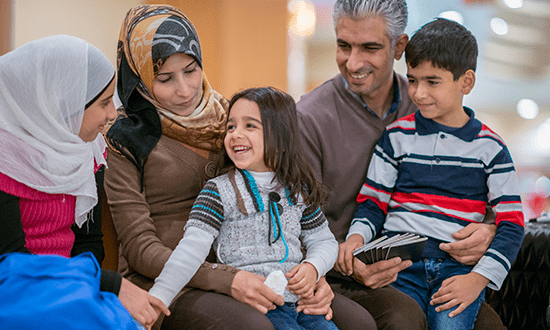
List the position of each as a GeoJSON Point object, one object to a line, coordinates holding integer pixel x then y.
{"type": "Point", "coordinates": [446, 44]}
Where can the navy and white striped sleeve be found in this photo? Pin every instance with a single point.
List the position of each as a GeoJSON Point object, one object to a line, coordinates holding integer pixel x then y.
{"type": "Point", "coordinates": [506, 203]}
{"type": "Point", "coordinates": [375, 194]}
{"type": "Point", "coordinates": [207, 212]}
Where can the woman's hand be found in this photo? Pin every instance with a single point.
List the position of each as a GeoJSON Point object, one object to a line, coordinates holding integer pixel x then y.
{"type": "Point", "coordinates": [302, 280]}
{"type": "Point", "coordinates": [250, 288]}
{"type": "Point", "coordinates": [319, 303]}
{"type": "Point", "coordinates": [344, 263]}
{"type": "Point", "coordinates": [143, 307]}
{"type": "Point", "coordinates": [473, 242]}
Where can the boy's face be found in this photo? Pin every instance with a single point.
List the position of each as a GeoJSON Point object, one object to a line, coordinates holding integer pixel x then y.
{"type": "Point", "coordinates": [437, 95]}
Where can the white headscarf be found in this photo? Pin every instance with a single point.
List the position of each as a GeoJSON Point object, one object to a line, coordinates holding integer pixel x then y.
{"type": "Point", "coordinates": [44, 88]}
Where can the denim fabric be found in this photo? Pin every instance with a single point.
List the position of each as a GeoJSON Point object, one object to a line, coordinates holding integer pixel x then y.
{"type": "Point", "coordinates": [424, 278]}
{"type": "Point", "coordinates": [286, 317]}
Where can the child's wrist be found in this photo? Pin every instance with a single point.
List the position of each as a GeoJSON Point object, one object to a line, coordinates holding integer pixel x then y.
{"type": "Point", "coordinates": [479, 279]}
{"type": "Point", "coordinates": [355, 238]}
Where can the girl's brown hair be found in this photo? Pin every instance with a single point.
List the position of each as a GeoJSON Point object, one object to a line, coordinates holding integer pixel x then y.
{"type": "Point", "coordinates": [282, 150]}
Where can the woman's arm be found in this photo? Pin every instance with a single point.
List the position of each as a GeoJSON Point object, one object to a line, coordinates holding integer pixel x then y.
{"type": "Point", "coordinates": [12, 236]}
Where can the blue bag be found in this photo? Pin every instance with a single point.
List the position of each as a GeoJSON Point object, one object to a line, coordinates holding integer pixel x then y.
{"type": "Point", "coordinates": [53, 292]}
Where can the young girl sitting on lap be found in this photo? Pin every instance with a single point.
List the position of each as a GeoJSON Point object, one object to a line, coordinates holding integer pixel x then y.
{"type": "Point", "coordinates": [256, 214]}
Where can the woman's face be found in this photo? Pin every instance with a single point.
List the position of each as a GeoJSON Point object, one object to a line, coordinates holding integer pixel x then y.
{"type": "Point", "coordinates": [178, 84]}
{"type": "Point", "coordinates": [98, 114]}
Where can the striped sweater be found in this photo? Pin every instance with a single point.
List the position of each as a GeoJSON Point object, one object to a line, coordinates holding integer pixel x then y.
{"type": "Point", "coordinates": [434, 180]}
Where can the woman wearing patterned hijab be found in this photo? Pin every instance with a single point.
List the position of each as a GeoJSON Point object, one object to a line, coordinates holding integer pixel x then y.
{"type": "Point", "coordinates": [163, 147]}
{"type": "Point", "coordinates": [55, 98]}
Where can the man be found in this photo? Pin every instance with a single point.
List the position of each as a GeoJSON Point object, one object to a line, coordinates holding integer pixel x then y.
{"type": "Point", "coordinates": [341, 122]}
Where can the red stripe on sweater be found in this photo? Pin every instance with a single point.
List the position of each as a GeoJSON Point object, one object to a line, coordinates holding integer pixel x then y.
{"type": "Point", "coordinates": [383, 206]}
{"type": "Point", "coordinates": [461, 205]}
{"type": "Point", "coordinates": [511, 216]}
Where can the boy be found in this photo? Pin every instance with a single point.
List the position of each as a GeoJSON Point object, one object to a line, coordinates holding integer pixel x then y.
{"type": "Point", "coordinates": [432, 173]}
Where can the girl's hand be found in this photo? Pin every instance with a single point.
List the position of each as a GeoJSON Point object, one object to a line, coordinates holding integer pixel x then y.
{"type": "Point", "coordinates": [249, 288]}
{"type": "Point", "coordinates": [319, 303]}
{"type": "Point", "coordinates": [344, 263]}
{"type": "Point", "coordinates": [461, 290]}
{"type": "Point", "coordinates": [302, 280]}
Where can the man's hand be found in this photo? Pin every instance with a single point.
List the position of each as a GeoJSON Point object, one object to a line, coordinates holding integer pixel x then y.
{"type": "Point", "coordinates": [319, 303]}
{"type": "Point", "coordinates": [249, 288]}
{"type": "Point", "coordinates": [461, 290]}
{"type": "Point", "coordinates": [143, 307]}
{"type": "Point", "coordinates": [378, 274]}
{"type": "Point", "coordinates": [473, 242]}
{"type": "Point", "coordinates": [302, 280]}
{"type": "Point", "coordinates": [345, 263]}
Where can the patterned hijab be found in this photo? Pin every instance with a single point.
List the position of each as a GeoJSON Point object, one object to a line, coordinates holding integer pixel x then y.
{"type": "Point", "coordinates": [45, 86]}
{"type": "Point", "coordinates": [149, 35]}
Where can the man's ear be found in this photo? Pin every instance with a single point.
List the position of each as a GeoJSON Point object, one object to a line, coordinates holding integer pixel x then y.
{"type": "Point", "coordinates": [469, 81]}
{"type": "Point", "coordinates": [400, 45]}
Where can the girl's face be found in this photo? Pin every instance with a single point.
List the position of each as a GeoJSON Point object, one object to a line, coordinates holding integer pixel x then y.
{"type": "Point", "coordinates": [178, 84]}
{"type": "Point", "coordinates": [244, 140]}
{"type": "Point", "coordinates": [98, 114]}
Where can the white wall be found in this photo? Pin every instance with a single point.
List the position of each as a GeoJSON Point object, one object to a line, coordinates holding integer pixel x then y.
{"type": "Point", "coordinates": [96, 21]}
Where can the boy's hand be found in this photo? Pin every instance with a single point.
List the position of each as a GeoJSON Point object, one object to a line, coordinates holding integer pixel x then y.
{"type": "Point", "coordinates": [302, 280]}
{"type": "Point", "coordinates": [459, 290]}
{"type": "Point", "coordinates": [344, 263]}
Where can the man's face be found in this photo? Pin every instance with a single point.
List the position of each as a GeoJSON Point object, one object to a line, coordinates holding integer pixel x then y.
{"type": "Point", "coordinates": [364, 54]}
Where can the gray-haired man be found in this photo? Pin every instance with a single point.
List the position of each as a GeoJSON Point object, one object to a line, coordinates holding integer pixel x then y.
{"type": "Point", "coordinates": [341, 122]}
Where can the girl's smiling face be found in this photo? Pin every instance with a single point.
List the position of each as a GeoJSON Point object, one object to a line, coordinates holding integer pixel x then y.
{"type": "Point", "coordinates": [244, 139]}
{"type": "Point", "coordinates": [98, 114]}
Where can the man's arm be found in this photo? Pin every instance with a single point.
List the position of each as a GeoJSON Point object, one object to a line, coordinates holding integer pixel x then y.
{"type": "Point", "coordinates": [472, 242]}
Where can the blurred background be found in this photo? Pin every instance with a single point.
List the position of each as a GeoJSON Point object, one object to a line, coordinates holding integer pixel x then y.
{"type": "Point", "coordinates": [291, 44]}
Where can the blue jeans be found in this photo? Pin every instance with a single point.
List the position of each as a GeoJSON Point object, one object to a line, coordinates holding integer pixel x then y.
{"type": "Point", "coordinates": [286, 317]}
{"type": "Point", "coordinates": [424, 278]}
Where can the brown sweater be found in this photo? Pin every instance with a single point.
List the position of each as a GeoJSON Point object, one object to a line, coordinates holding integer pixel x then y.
{"type": "Point", "coordinates": [339, 136]}
{"type": "Point", "coordinates": [150, 224]}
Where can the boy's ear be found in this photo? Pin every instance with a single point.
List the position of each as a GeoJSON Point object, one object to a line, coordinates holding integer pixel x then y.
{"type": "Point", "coordinates": [400, 45]}
{"type": "Point", "coordinates": [469, 81]}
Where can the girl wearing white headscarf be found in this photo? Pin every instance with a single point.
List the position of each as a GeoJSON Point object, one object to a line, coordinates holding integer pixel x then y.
{"type": "Point", "coordinates": [55, 98]}
{"type": "Point", "coordinates": [45, 86]}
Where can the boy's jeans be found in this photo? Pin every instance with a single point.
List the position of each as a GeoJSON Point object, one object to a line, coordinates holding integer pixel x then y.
{"type": "Point", "coordinates": [424, 278]}
{"type": "Point", "coordinates": [286, 317]}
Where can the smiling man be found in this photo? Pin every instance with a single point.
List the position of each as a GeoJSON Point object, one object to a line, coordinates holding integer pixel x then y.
{"type": "Point", "coordinates": [341, 121]}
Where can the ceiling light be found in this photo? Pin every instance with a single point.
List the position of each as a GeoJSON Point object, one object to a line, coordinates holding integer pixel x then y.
{"type": "Point", "coordinates": [499, 26]}
{"type": "Point", "coordinates": [527, 108]}
{"type": "Point", "coordinates": [513, 4]}
{"type": "Point", "coordinates": [452, 16]}
{"type": "Point", "coordinates": [302, 17]}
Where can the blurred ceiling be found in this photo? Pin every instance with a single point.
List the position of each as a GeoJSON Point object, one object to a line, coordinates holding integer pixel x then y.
{"type": "Point", "coordinates": [511, 67]}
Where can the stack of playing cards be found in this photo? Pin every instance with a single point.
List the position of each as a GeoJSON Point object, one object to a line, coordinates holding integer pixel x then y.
{"type": "Point", "coordinates": [406, 246]}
